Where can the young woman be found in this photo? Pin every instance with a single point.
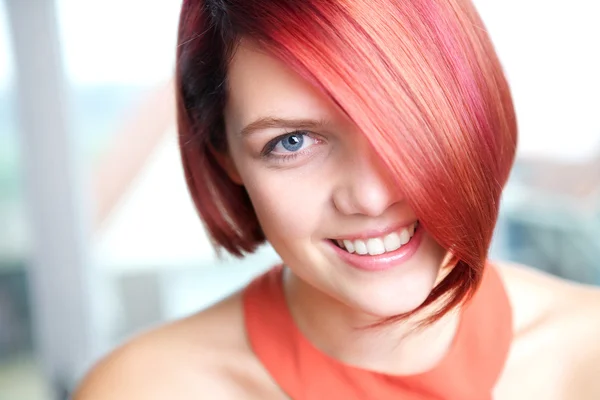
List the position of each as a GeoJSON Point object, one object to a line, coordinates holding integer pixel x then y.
{"type": "Point", "coordinates": [368, 141]}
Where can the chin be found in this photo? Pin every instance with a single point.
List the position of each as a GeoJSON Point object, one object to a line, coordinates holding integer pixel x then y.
{"type": "Point", "coordinates": [385, 293]}
{"type": "Point", "coordinates": [391, 298]}
{"type": "Point", "coordinates": [396, 291]}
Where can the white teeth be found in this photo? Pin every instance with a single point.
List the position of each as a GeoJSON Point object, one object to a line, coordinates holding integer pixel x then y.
{"type": "Point", "coordinates": [404, 236]}
{"type": "Point", "coordinates": [360, 247]}
{"type": "Point", "coordinates": [349, 246]}
{"type": "Point", "coordinates": [392, 242]}
{"type": "Point", "coordinates": [375, 246]}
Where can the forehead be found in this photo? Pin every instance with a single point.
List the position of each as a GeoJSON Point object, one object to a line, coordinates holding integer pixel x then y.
{"type": "Point", "coordinates": [260, 85]}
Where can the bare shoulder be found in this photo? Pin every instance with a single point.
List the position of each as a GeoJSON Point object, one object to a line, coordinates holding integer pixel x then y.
{"type": "Point", "coordinates": [556, 323]}
{"type": "Point", "coordinates": [188, 358]}
{"type": "Point", "coordinates": [539, 297]}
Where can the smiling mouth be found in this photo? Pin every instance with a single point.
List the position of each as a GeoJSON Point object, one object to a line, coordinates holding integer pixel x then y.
{"type": "Point", "coordinates": [379, 245]}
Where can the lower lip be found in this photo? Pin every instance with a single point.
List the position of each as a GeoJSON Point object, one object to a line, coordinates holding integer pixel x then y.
{"type": "Point", "coordinates": [382, 261]}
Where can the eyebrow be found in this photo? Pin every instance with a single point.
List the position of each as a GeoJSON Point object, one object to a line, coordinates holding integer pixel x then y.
{"type": "Point", "coordinates": [273, 122]}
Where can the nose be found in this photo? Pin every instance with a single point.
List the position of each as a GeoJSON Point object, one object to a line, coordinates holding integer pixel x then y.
{"type": "Point", "coordinates": [365, 186]}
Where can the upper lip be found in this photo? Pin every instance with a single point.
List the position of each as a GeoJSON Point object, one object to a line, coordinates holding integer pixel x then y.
{"type": "Point", "coordinates": [376, 232]}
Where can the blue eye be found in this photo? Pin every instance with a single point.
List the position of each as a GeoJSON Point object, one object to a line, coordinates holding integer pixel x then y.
{"type": "Point", "coordinates": [291, 143]}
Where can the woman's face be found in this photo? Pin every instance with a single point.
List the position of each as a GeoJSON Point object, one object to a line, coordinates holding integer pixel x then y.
{"type": "Point", "coordinates": [315, 183]}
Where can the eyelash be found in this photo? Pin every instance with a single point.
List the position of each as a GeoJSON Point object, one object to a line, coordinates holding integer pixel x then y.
{"type": "Point", "coordinates": [268, 149]}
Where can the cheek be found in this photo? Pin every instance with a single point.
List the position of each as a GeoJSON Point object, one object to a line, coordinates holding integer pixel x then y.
{"type": "Point", "coordinates": [289, 204]}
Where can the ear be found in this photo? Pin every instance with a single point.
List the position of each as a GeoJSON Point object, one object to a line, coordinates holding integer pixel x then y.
{"type": "Point", "coordinates": [226, 162]}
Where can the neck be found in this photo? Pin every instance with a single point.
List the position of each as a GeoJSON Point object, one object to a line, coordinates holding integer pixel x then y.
{"type": "Point", "coordinates": [401, 348]}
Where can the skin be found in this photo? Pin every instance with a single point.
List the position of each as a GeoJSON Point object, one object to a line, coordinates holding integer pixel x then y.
{"type": "Point", "coordinates": [334, 186]}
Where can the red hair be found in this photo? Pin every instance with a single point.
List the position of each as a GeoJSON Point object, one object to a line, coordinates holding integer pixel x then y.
{"type": "Point", "coordinates": [419, 78]}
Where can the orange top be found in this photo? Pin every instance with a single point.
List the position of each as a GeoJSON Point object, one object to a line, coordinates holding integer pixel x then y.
{"type": "Point", "coordinates": [468, 371]}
